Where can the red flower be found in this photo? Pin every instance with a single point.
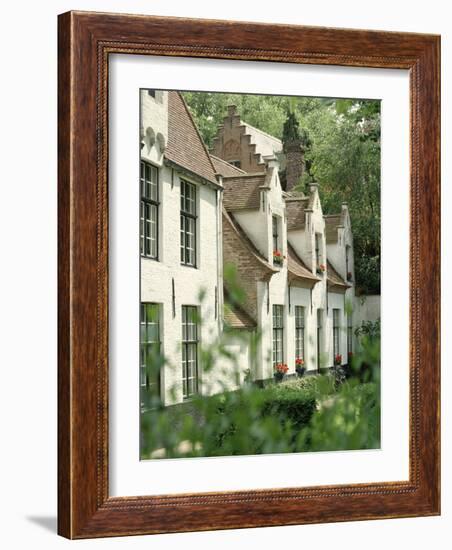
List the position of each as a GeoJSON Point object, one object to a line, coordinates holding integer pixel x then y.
{"type": "Point", "coordinates": [338, 359]}
{"type": "Point", "coordinates": [322, 267]}
{"type": "Point", "coordinates": [276, 253]}
{"type": "Point", "coordinates": [299, 361]}
{"type": "Point", "coordinates": [281, 368]}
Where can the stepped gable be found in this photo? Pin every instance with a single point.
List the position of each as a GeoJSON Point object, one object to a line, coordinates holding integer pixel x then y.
{"type": "Point", "coordinates": [243, 145]}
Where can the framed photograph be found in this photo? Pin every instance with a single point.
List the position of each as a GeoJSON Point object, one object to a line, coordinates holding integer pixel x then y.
{"type": "Point", "coordinates": [248, 275]}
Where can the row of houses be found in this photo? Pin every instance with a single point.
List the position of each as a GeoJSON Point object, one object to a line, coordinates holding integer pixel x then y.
{"type": "Point", "coordinates": [202, 212]}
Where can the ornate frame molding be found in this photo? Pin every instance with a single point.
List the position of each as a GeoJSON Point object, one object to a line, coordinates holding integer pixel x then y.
{"type": "Point", "coordinates": [85, 42]}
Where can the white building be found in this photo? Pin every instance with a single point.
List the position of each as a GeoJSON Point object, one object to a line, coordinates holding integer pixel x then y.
{"type": "Point", "coordinates": [201, 212]}
{"type": "Point", "coordinates": [180, 249]}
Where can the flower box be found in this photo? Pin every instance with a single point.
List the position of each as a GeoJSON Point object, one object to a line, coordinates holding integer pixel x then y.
{"type": "Point", "coordinates": [277, 257]}
{"type": "Point", "coordinates": [300, 369]}
{"type": "Point", "coordinates": [280, 370]}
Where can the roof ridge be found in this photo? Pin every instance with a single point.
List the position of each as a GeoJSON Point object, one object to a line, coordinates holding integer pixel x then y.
{"type": "Point", "coordinates": [297, 257]}
{"type": "Point", "coordinates": [335, 273]}
{"type": "Point", "coordinates": [247, 175]}
{"type": "Point", "coordinates": [229, 164]}
{"type": "Point", "coordinates": [247, 241]}
{"type": "Point", "coordinates": [184, 103]}
{"type": "Point", "coordinates": [260, 131]}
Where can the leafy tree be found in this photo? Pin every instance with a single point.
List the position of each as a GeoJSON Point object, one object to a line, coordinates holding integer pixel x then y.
{"type": "Point", "coordinates": [342, 155]}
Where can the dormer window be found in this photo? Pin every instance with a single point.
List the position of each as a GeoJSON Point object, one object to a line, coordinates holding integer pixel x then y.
{"type": "Point", "coordinates": [320, 266]}
{"type": "Point", "coordinates": [276, 240]}
{"type": "Point", "coordinates": [347, 263]}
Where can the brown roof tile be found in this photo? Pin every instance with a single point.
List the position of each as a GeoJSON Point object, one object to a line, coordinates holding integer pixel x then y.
{"type": "Point", "coordinates": [334, 280]}
{"type": "Point", "coordinates": [236, 317]}
{"type": "Point", "coordinates": [225, 168]}
{"type": "Point", "coordinates": [295, 208]}
{"type": "Point", "coordinates": [243, 192]}
{"type": "Point", "coordinates": [232, 227]}
{"type": "Point", "coordinates": [298, 270]}
{"type": "Point", "coordinates": [185, 145]}
{"type": "Point", "coordinates": [332, 223]}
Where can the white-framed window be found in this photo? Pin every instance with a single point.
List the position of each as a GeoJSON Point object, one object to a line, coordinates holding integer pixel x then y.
{"type": "Point", "coordinates": [188, 221]}
{"type": "Point", "coordinates": [190, 341]}
{"type": "Point", "coordinates": [150, 351]}
{"type": "Point", "coordinates": [336, 332]}
{"type": "Point", "coordinates": [319, 337]}
{"type": "Point", "coordinates": [318, 251]}
{"type": "Point", "coordinates": [349, 334]}
{"type": "Point", "coordinates": [299, 332]}
{"type": "Point", "coordinates": [347, 263]}
{"type": "Point", "coordinates": [278, 334]}
{"type": "Point", "coordinates": [275, 233]}
{"type": "Point", "coordinates": [149, 210]}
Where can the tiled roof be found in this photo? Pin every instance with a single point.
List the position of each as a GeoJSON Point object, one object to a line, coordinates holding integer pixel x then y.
{"type": "Point", "coordinates": [332, 223]}
{"type": "Point", "coordinates": [243, 192]}
{"type": "Point", "coordinates": [334, 279]}
{"type": "Point", "coordinates": [236, 317]}
{"type": "Point", "coordinates": [297, 269]}
{"type": "Point", "coordinates": [295, 208]}
{"type": "Point", "coordinates": [185, 145]}
{"type": "Point", "coordinates": [232, 227]}
{"type": "Point", "coordinates": [225, 168]}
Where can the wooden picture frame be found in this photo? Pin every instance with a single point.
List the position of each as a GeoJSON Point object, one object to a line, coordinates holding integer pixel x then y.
{"type": "Point", "coordinates": [86, 40]}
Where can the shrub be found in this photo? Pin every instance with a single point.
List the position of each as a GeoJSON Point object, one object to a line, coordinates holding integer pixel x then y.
{"type": "Point", "coordinates": [350, 420]}
{"type": "Point", "coordinates": [261, 420]}
{"type": "Point", "coordinates": [287, 402]}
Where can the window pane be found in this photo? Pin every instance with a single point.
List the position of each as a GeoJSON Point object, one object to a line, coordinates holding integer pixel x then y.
{"type": "Point", "coordinates": [188, 240]}
{"type": "Point", "coordinates": [299, 332]}
{"type": "Point", "coordinates": [188, 198]}
{"type": "Point", "coordinates": [150, 349]}
{"type": "Point", "coordinates": [189, 350]}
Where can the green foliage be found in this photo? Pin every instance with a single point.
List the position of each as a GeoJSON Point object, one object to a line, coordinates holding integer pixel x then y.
{"type": "Point", "coordinates": [342, 155]}
{"type": "Point", "coordinates": [311, 413]}
{"type": "Point", "coordinates": [346, 421]}
{"type": "Point", "coordinates": [349, 419]}
{"type": "Point", "coordinates": [369, 331]}
{"type": "Point", "coordinates": [247, 421]}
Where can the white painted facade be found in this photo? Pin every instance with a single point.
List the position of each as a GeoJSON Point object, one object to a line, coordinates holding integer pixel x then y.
{"type": "Point", "coordinates": [165, 281]}
{"type": "Point", "coordinates": [327, 287]}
